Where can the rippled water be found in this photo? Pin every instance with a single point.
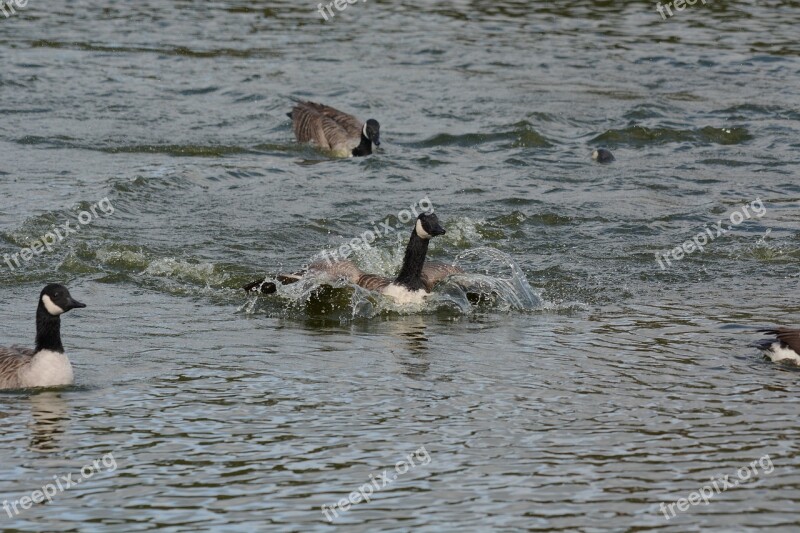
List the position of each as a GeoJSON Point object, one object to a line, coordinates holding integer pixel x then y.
{"type": "Point", "coordinates": [611, 387]}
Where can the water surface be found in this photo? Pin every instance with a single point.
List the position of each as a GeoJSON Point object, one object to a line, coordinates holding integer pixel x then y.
{"type": "Point", "coordinates": [629, 386]}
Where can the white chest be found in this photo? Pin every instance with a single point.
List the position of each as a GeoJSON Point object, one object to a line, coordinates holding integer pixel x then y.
{"type": "Point", "coordinates": [776, 353]}
{"type": "Point", "coordinates": [403, 295]}
{"type": "Point", "coordinates": [48, 369]}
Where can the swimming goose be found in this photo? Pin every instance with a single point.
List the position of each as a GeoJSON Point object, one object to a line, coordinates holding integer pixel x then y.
{"type": "Point", "coordinates": [414, 282]}
{"type": "Point", "coordinates": [333, 130]}
{"type": "Point", "coordinates": [601, 155]}
{"type": "Point", "coordinates": [784, 347]}
{"type": "Point", "coordinates": [46, 365]}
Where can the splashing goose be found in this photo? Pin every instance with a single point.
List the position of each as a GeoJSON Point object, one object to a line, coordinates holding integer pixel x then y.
{"type": "Point", "coordinates": [413, 283]}
{"type": "Point", "coordinates": [46, 365]}
{"type": "Point", "coordinates": [784, 347]}
{"type": "Point", "coordinates": [330, 129]}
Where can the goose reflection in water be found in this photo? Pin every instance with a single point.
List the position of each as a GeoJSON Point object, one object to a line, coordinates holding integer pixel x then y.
{"type": "Point", "coordinates": [50, 418]}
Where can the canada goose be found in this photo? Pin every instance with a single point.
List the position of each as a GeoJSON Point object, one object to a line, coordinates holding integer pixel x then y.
{"type": "Point", "coordinates": [330, 129]}
{"type": "Point", "coordinates": [415, 280]}
{"type": "Point", "coordinates": [601, 155]}
{"type": "Point", "coordinates": [46, 365]}
{"type": "Point", "coordinates": [784, 347]}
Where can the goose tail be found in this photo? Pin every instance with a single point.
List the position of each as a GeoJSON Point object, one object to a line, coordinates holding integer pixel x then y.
{"type": "Point", "coordinates": [766, 344]}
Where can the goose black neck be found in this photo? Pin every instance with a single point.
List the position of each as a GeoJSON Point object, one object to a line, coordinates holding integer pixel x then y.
{"type": "Point", "coordinates": [410, 275]}
{"type": "Point", "coordinates": [48, 331]}
{"type": "Point", "coordinates": [365, 148]}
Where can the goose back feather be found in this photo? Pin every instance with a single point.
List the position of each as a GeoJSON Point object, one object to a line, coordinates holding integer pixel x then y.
{"type": "Point", "coordinates": [13, 361]}
{"type": "Point", "coordinates": [326, 127]}
{"type": "Point", "coordinates": [329, 129]}
{"type": "Point", "coordinates": [434, 272]}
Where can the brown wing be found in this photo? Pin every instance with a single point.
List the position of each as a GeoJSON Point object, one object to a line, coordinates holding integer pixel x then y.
{"type": "Point", "coordinates": [349, 271]}
{"type": "Point", "coordinates": [372, 282]}
{"type": "Point", "coordinates": [351, 124]}
{"type": "Point", "coordinates": [12, 360]}
{"type": "Point", "coordinates": [311, 125]}
{"type": "Point", "coordinates": [333, 269]}
{"type": "Point", "coordinates": [789, 337]}
{"type": "Point", "coordinates": [338, 270]}
{"type": "Point", "coordinates": [433, 273]}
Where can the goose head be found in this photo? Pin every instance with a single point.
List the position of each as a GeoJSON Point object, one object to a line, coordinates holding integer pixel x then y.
{"type": "Point", "coordinates": [372, 131]}
{"type": "Point", "coordinates": [428, 226]}
{"type": "Point", "coordinates": [602, 155]}
{"type": "Point", "coordinates": [56, 300]}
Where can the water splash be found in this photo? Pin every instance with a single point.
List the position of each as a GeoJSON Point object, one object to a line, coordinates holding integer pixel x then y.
{"type": "Point", "coordinates": [495, 278]}
{"type": "Point", "coordinates": [493, 282]}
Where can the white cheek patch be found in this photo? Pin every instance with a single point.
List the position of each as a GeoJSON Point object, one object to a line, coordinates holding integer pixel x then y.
{"type": "Point", "coordinates": [364, 131]}
{"type": "Point", "coordinates": [52, 308]}
{"type": "Point", "coordinates": [421, 231]}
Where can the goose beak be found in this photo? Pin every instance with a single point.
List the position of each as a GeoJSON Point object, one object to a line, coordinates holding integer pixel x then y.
{"type": "Point", "coordinates": [75, 304]}
{"type": "Point", "coordinates": [377, 141]}
{"type": "Point", "coordinates": [437, 230]}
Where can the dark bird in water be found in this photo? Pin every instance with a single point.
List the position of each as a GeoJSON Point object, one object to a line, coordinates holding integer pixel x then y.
{"type": "Point", "coordinates": [783, 346]}
{"type": "Point", "coordinates": [601, 155]}
{"type": "Point", "coordinates": [335, 131]}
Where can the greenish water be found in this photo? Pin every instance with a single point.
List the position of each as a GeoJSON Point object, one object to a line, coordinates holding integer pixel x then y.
{"type": "Point", "coordinates": [612, 387]}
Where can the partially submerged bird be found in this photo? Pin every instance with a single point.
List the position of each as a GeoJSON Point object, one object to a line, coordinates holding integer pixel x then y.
{"type": "Point", "coordinates": [785, 346]}
{"type": "Point", "coordinates": [46, 365]}
{"type": "Point", "coordinates": [601, 155]}
{"type": "Point", "coordinates": [333, 130]}
{"type": "Point", "coordinates": [413, 283]}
